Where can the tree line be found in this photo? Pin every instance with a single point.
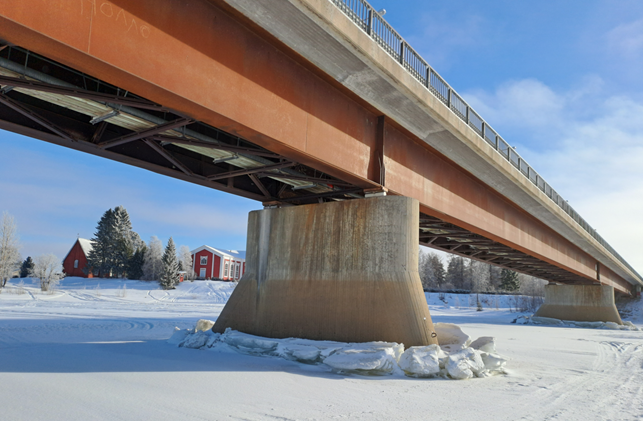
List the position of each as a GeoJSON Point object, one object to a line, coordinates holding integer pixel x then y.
{"type": "Point", "coordinates": [118, 251]}
{"type": "Point", "coordinates": [466, 274]}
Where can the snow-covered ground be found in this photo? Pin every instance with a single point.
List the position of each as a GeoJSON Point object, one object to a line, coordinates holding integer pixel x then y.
{"type": "Point", "coordinates": [97, 349]}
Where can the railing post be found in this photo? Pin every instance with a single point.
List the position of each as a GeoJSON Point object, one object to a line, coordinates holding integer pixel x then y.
{"type": "Point", "coordinates": [483, 125]}
{"type": "Point", "coordinates": [467, 116]}
{"type": "Point", "coordinates": [449, 98]}
{"type": "Point", "coordinates": [402, 53]}
{"type": "Point", "coordinates": [369, 23]}
{"type": "Point", "coordinates": [497, 143]}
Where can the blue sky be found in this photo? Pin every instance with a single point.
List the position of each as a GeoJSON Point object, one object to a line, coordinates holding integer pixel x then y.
{"type": "Point", "coordinates": [561, 81]}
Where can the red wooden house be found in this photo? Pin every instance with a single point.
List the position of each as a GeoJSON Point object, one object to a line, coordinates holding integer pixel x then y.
{"type": "Point", "coordinates": [76, 259]}
{"type": "Point", "coordinates": [212, 263]}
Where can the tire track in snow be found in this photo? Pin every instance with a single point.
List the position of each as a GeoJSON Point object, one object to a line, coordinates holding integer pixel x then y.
{"type": "Point", "coordinates": [614, 387]}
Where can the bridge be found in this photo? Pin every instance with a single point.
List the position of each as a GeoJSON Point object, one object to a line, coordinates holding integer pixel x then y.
{"type": "Point", "coordinates": [319, 109]}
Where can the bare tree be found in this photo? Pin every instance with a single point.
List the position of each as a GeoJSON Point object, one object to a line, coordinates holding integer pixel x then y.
{"type": "Point", "coordinates": [431, 270]}
{"type": "Point", "coordinates": [9, 255]}
{"type": "Point", "coordinates": [479, 272]}
{"type": "Point", "coordinates": [48, 270]}
{"type": "Point", "coordinates": [185, 259]}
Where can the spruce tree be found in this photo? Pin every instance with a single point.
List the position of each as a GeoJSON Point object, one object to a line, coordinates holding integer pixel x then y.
{"type": "Point", "coordinates": [509, 280]}
{"type": "Point", "coordinates": [456, 272]}
{"type": "Point", "coordinates": [27, 267]}
{"type": "Point", "coordinates": [170, 273]}
{"type": "Point", "coordinates": [114, 244]}
{"type": "Point", "coordinates": [101, 256]}
{"type": "Point", "coordinates": [438, 269]}
{"type": "Point", "coordinates": [135, 264]}
{"type": "Point", "coordinates": [121, 247]}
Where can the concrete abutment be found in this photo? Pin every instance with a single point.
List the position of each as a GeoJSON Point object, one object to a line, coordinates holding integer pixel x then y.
{"type": "Point", "coordinates": [581, 303]}
{"type": "Point", "coordinates": [344, 271]}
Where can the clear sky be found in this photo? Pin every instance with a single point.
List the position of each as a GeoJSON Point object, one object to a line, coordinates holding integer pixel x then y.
{"type": "Point", "coordinates": [559, 80]}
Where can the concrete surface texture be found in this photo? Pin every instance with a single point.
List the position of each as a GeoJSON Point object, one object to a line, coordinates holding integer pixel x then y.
{"type": "Point", "coordinates": [582, 303]}
{"type": "Point", "coordinates": [344, 271]}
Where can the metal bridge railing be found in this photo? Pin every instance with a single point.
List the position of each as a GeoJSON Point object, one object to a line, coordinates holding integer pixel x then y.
{"type": "Point", "coordinates": [367, 18]}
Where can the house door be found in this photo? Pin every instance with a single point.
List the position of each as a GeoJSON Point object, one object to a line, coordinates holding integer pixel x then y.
{"type": "Point", "coordinates": [202, 273]}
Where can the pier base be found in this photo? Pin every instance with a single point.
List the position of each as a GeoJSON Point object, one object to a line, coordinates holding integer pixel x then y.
{"type": "Point", "coordinates": [581, 303]}
{"type": "Point", "coordinates": [343, 271]}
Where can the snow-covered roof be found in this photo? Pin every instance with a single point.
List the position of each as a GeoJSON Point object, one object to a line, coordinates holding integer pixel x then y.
{"type": "Point", "coordinates": [85, 245]}
{"type": "Point", "coordinates": [235, 254]}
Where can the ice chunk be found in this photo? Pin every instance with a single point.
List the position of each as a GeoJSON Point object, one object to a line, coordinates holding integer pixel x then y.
{"type": "Point", "coordinates": [203, 325]}
{"type": "Point", "coordinates": [458, 368]}
{"type": "Point", "coordinates": [591, 325]}
{"type": "Point", "coordinates": [546, 321]}
{"type": "Point", "coordinates": [465, 364]}
{"type": "Point", "coordinates": [363, 361]}
{"type": "Point", "coordinates": [627, 325]}
{"type": "Point", "coordinates": [195, 340]}
{"type": "Point", "coordinates": [493, 362]}
{"type": "Point", "coordinates": [178, 336]}
{"type": "Point", "coordinates": [484, 344]}
{"type": "Point", "coordinates": [212, 339]}
{"type": "Point", "coordinates": [451, 337]}
{"type": "Point", "coordinates": [305, 353]}
{"type": "Point", "coordinates": [422, 361]}
{"type": "Point", "coordinates": [249, 344]}
{"type": "Point", "coordinates": [302, 353]}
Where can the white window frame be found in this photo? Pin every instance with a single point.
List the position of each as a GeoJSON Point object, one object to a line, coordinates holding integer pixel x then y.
{"type": "Point", "coordinates": [237, 271]}
{"type": "Point", "coordinates": [76, 264]}
{"type": "Point", "coordinates": [226, 267]}
{"type": "Point", "coordinates": [203, 260]}
{"type": "Point", "coordinates": [202, 273]}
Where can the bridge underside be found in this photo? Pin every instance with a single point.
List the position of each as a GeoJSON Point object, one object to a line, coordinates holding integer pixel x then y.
{"type": "Point", "coordinates": [195, 94]}
{"type": "Point", "coordinates": [150, 136]}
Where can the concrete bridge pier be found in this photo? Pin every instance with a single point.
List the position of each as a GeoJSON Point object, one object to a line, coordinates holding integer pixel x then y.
{"type": "Point", "coordinates": [344, 271]}
{"type": "Point", "coordinates": [581, 303]}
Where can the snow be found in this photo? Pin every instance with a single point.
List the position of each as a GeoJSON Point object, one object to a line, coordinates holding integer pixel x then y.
{"type": "Point", "coordinates": [98, 349]}
{"type": "Point", "coordinates": [86, 245]}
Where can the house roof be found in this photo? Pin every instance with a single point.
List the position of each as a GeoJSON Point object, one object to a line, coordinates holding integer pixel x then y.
{"type": "Point", "coordinates": [85, 245]}
{"type": "Point", "coordinates": [235, 254]}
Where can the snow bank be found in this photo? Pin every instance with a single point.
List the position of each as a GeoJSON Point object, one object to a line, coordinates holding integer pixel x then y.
{"type": "Point", "coordinates": [454, 358]}
{"type": "Point", "coordinates": [537, 320]}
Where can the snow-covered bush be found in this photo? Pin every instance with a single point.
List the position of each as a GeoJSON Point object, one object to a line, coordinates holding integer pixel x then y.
{"type": "Point", "coordinates": [48, 270]}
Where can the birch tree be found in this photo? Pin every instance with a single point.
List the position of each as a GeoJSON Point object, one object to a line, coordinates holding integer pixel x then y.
{"type": "Point", "coordinates": [185, 259]}
{"type": "Point", "coordinates": [9, 255]}
{"type": "Point", "coordinates": [153, 264]}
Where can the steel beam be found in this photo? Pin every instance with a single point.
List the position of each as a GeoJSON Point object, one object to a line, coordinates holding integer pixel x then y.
{"type": "Point", "coordinates": [165, 154]}
{"type": "Point", "coordinates": [145, 133]}
{"type": "Point", "coordinates": [80, 93]}
{"type": "Point", "coordinates": [217, 146]}
{"type": "Point", "coordinates": [237, 173]}
{"type": "Point", "coordinates": [16, 106]}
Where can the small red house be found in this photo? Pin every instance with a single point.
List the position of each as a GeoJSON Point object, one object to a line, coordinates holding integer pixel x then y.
{"type": "Point", "coordinates": [211, 263]}
{"type": "Point", "coordinates": [76, 259]}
